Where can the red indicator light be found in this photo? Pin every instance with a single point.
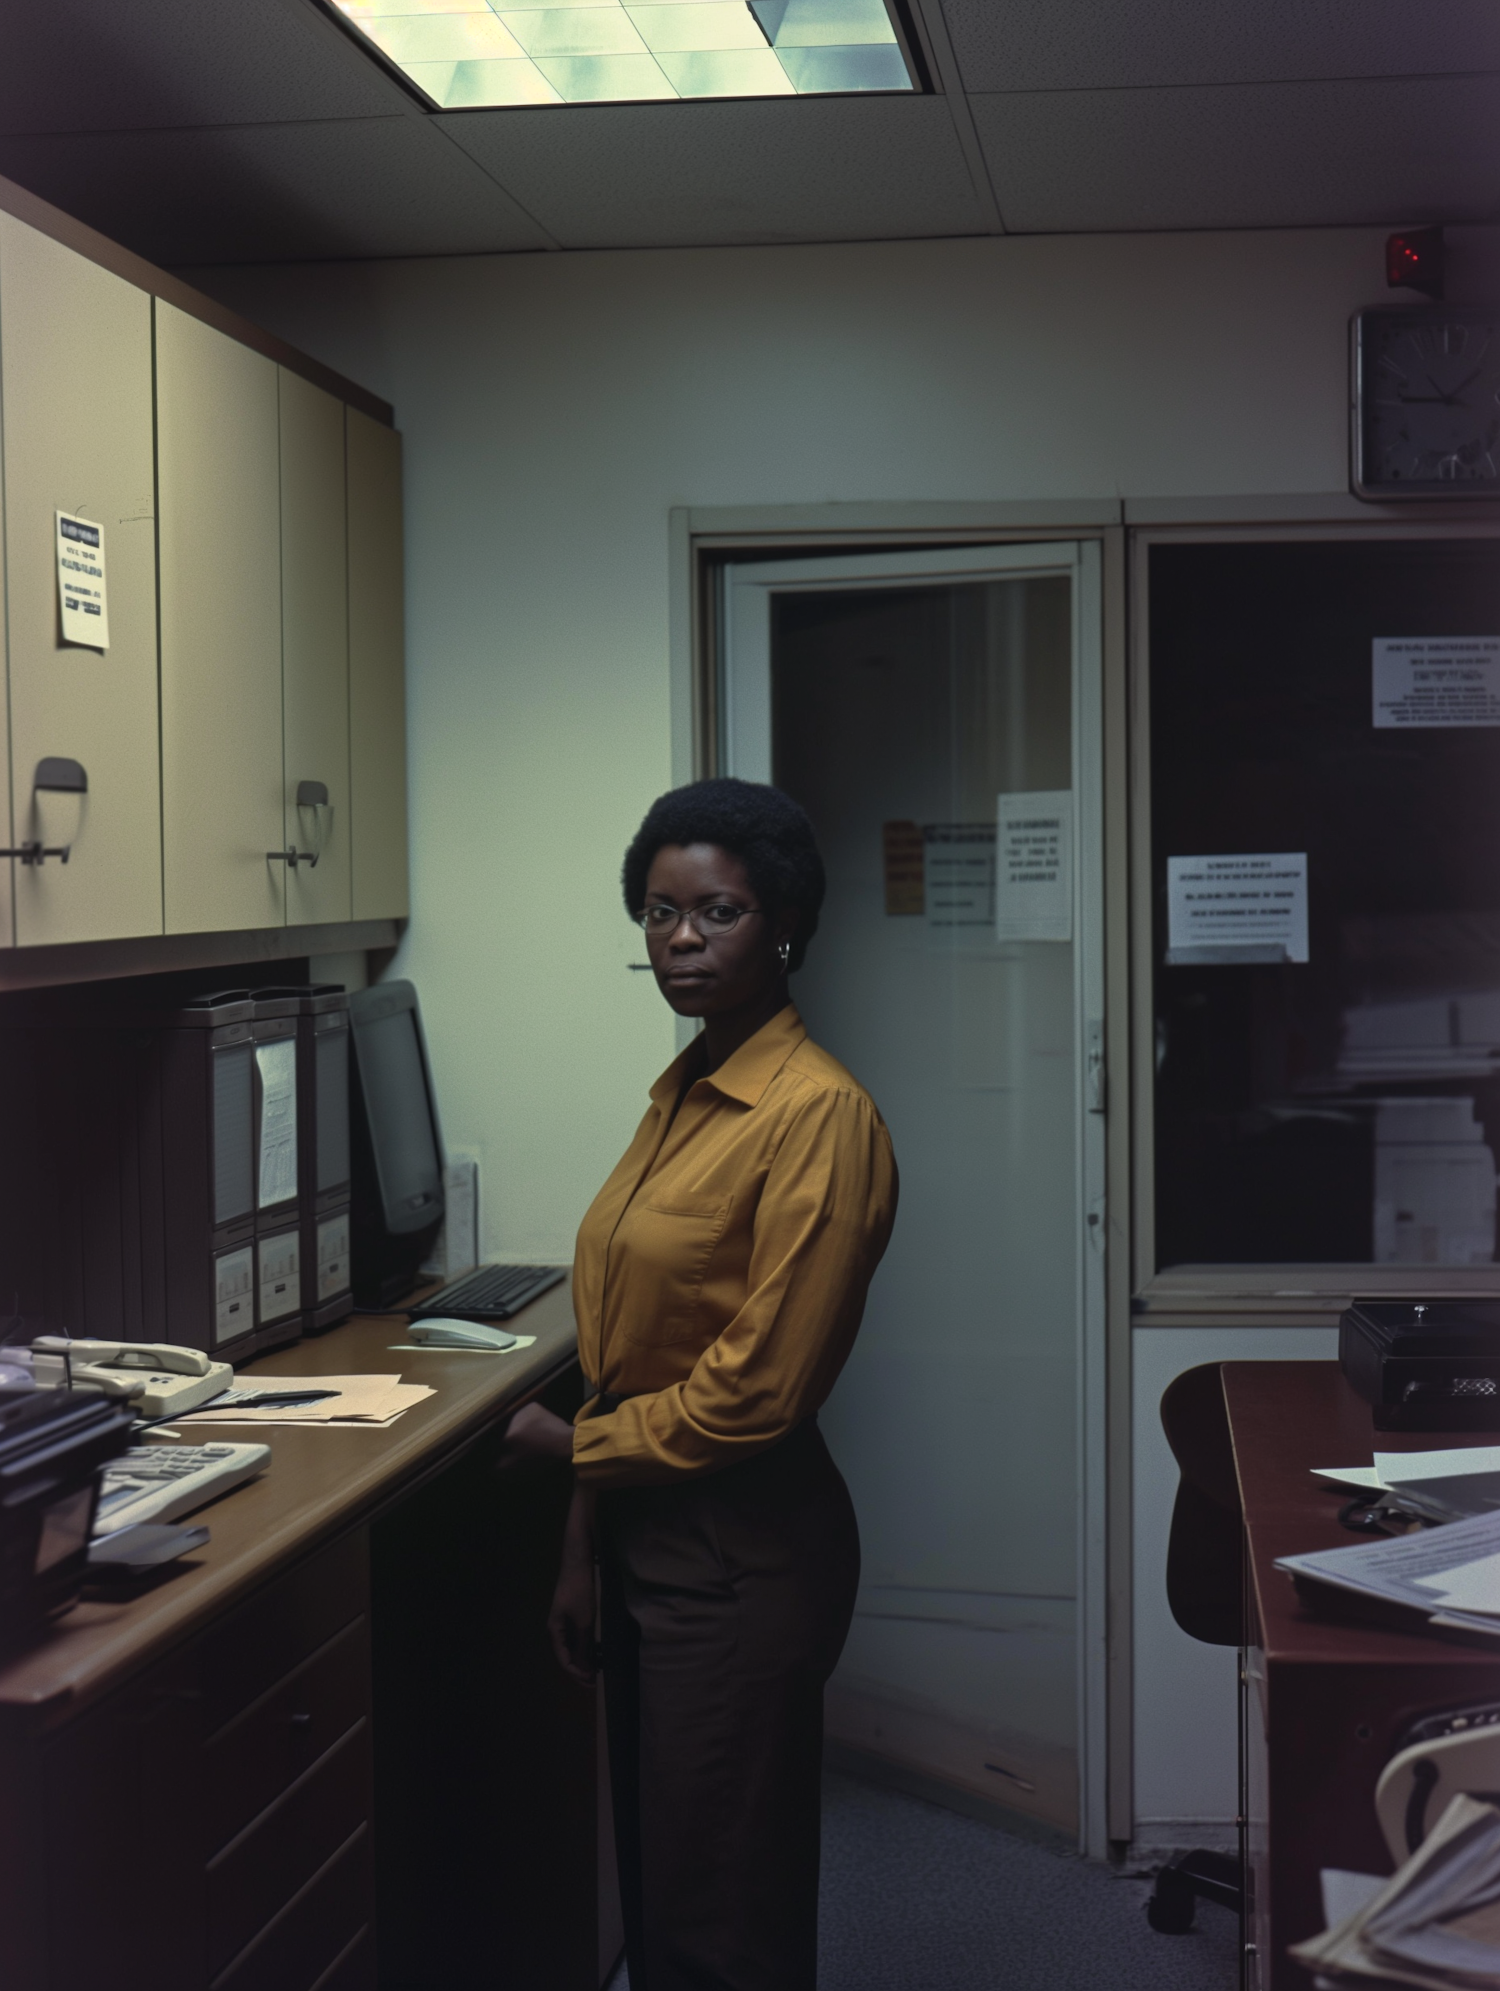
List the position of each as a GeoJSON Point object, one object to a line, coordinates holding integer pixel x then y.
{"type": "Point", "coordinates": [1415, 259]}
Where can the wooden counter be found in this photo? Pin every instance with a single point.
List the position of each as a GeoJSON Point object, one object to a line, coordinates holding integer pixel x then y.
{"type": "Point", "coordinates": [319, 1482]}
{"type": "Point", "coordinates": [332, 1750]}
{"type": "Point", "coordinates": [1328, 1696]}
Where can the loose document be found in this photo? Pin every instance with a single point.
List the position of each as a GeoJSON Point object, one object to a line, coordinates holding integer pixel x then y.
{"type": "Point", "coordinates": [371, 1401]}
{"type": "Point", "coordinates": [1450, 1572]}
{"type": "Point", "coordinates": [1435, 1923]}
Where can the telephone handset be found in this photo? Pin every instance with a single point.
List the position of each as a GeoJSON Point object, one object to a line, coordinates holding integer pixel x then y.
{"type": "Point", "coordinates": [154, 1377]}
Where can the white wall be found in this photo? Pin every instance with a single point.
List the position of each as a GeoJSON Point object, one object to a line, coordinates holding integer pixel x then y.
{"type": "Point", "coordinates": [556, 407]}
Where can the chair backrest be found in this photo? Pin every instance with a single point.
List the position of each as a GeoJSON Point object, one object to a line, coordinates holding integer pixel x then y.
{"type": "Point", "coordinates": [1205, 1551]}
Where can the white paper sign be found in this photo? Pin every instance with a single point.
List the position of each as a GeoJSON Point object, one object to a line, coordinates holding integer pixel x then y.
{"type": "Point", "coordinates": [1034, 866]}
{"type": "Point", "coordinates": [1226, 909]}
{"type": "Point", "coordinates": [277, 1065]}
{"type": "Point", "coordinates": [1435, 681]}
{"type": "Point", "coordinates": [959, 878]}
{"type": "Point", "coordinates": [82, 602]}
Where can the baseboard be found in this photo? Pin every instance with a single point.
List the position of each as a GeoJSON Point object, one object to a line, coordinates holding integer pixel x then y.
{"type": "Point", "coordinates": [1158, 1839]}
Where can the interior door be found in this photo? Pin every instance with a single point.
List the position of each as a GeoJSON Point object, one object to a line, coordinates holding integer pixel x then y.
{"type": "Point", "coordinates": [936, 713]}
{"type": "Point", "coordinates": [78, 440]}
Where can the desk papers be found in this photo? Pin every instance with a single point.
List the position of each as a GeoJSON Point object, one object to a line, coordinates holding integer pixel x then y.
{"type": "Point", "coordinates": [372, 1401]}
{"type": "Point", "coordinates": [1435, 1923]}
{"type": "Point", "coordinates": [1450, 1573]}
{"type": "Point", "coordinates": [1445, 1485]}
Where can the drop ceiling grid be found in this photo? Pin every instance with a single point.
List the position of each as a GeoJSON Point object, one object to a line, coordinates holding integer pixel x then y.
{"type": "Point", "coordinates": [261, 130]}
{"type": "Point", "coordinates": [1141, 44]}
{"type": "Point", "coordinates": [1292, 155]}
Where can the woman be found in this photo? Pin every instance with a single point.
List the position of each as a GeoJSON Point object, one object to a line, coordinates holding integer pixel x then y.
{"type": "Point", "coordinates": [719, 1282]}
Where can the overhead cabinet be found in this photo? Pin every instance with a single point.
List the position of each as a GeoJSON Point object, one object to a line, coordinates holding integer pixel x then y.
{"type": "Point", "coordinates": [377, 675]}
{"type": "Point", "coordinates": [229, 753]}
{"type": "Point", "coordinates": [84, 774]}
{"type": "Point", "coordinates": [315, 825]}
{"type": "Point", "coordinates": [219, 493]}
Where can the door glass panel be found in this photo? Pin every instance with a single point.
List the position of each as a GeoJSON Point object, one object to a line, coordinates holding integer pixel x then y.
{"type": "Point", "coordinates": [1335, 706]}
{"type": "Point", "coordinates": [899, 716]}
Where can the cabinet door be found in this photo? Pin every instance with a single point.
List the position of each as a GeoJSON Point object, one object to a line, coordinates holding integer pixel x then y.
{"type": "Point", "coordinates": [76, 342]}
{"type": "Point", "coordinates": [314, 649]}
{"type": "Point", "coordinates": [377, 671]}
{"type": "Point", "coordinates": [219, 503]}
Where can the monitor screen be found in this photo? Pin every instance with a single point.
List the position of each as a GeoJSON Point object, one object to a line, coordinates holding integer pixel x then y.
{"type": "Point", "coordinates": [393, 1080]}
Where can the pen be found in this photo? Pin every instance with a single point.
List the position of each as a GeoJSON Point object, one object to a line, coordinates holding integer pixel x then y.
{"type": "Point", "coordinates": [264, 1399]}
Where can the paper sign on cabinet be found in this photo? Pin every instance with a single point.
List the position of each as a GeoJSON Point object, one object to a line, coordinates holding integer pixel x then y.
{"type": "Point", "coordinates": [82, 602]}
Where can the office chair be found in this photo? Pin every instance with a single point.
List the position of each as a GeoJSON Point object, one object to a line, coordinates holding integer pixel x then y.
{"type": "Point", "coordinates": [1205, 1593]}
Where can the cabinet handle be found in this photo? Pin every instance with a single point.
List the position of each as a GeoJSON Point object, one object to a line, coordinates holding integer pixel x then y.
{"type": "Point", "coordinates": [56, 776]}
{"type": "Point", "coordinates": [314, 795]}
{"type": "Point", "coordinates": [61, 777]}
{"type": "Point", "coordinates": [310, 795]}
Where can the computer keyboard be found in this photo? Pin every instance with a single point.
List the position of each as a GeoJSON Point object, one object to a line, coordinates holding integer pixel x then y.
{"type": "Point", "coordinates": [163, 1482]}
{"type": "Point", "coordinates": [493, 1292]}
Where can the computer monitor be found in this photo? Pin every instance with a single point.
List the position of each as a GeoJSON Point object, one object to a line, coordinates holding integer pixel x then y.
{"type": "Point", "coordinates": [398, 1146]}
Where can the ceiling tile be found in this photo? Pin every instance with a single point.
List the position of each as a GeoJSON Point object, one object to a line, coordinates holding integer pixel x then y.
{"type": "Point", "coordinates": [95, 65]}
{"type": "Point", "coordinates": [788, 170]}
{"type": "Point", "coordinates": [377, 187]}
{"type": "Point", "coordinates": [1104, 44]}
{"type": "Point", "coordinates": [1276, 155]}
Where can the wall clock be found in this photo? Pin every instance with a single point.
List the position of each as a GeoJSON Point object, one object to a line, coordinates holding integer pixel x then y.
{"type": "Point", "coordinates": [1426, 402]}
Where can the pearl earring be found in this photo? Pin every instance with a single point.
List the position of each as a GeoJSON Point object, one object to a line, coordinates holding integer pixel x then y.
{"type": "Point", "coordinates": [784, 952]}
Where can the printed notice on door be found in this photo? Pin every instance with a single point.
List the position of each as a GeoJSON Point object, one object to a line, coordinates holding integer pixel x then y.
{"type": "Point", "coordinates": [83, 605]}
{"type": "Point", "coordinates": [1435, 681]}
{"type": "Point", "coordinates": [959, 880]}
{"type": "Point", "coordinates": [1222, 910]}
{"type": "Point", "coordinates": [1034, 866]}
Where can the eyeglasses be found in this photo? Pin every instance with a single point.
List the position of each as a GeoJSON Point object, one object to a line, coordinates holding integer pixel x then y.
{"type": "Point", "coordinates": [708, 921]}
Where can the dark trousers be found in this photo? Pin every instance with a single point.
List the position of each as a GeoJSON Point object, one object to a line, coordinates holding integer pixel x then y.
{"type": "Point", "coordinates": [726, 1602]}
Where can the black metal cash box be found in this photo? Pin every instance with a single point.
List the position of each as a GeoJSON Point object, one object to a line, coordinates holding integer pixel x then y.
{"type": "Point", "coordinates": [1424, 1365]}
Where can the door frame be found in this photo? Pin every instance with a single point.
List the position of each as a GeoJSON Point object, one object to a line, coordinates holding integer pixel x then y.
{"type": "Point", "coordinates": [699, 545]}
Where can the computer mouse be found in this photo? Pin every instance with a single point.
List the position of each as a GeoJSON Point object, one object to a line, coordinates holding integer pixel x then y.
{"type": "Point", "coordinates": [461, 1334]}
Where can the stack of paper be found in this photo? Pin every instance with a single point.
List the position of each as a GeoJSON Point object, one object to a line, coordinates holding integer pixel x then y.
{"type": "Point", "coordinates": [1435, 1922]}
{"type": "Point", "coordinates": [372, 1401]}
{"type": "Point", "coordinates": [1440, 1486]}
{"type": "Point", "coordinates": [1452, 1573]}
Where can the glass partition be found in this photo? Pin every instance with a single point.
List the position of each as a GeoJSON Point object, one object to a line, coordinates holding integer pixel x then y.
{"type": "Point", "coordinates": [1325, 918]}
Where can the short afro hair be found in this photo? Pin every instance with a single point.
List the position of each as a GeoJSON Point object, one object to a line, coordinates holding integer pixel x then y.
{"type": "Point", "coordinates": [764, 829]}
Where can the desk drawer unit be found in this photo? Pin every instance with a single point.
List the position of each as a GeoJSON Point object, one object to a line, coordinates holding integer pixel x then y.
{"type": "Point", "coordinates": [242, 1764]}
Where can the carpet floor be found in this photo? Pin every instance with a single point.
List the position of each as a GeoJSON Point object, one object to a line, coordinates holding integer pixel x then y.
{"type": "Point", "coordinates": [916, 1898]}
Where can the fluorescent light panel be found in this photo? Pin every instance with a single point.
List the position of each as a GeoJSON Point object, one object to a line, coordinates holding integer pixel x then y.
{"type": "Point", "coordinates": [466, 54]}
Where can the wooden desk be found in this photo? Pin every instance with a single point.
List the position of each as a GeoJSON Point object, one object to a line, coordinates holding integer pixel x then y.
{"type": "Point", "coordinates": [189, 1795]}
{"type": "Point", "coordinates": [1326, 1700]}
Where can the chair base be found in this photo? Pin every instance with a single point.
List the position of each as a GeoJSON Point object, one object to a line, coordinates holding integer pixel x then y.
{"type": "Point", "coordinates": [1189, 1878]}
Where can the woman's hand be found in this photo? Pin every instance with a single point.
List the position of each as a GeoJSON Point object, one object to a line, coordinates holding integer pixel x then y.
{"type": "Point", "coordinates": [534, 1434]}
{"type": "Point", "coordinates": [571, 1619]}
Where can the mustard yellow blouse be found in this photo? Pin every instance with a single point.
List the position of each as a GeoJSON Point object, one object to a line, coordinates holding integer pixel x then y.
{"type": "Point", "coordinates": [721, 1272]}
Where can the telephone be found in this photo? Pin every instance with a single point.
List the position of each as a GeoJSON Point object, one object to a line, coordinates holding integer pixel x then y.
{"type": "Point", "coordinates": [156, 1379]}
